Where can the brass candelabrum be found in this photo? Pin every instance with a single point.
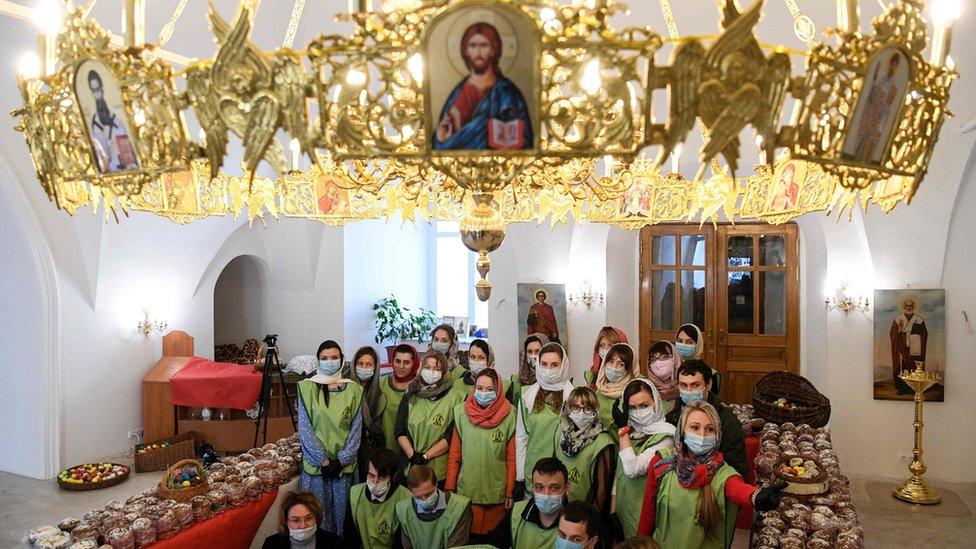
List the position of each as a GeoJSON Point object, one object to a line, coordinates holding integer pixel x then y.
{"type": "Point", "coordinates": [915, 489]}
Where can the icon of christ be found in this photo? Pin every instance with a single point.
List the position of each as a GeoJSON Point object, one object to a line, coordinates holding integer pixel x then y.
{"type": "Point", "coordinates": [485, 110]}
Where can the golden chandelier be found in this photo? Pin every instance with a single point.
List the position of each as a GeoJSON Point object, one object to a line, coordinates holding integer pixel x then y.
{"type": "Point", "coordinates": [489, 112]}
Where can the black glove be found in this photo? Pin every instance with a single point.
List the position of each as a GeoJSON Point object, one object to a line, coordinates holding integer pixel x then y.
{"type": "Point", "coordinates": [333, 470]}
{"type": "Point", "coordinates": [518, 493]}
{"type": "Point", "coordinates": [418, 459]}
{"type": "Point", "coordinates": [768, 498]}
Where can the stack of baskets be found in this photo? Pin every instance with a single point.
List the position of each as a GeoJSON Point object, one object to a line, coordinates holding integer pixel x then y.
{"type": "Point", "coordinates": [806, 403]}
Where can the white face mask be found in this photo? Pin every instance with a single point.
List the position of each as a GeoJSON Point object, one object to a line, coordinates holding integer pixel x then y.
{"type": "Point", "coordinates": [440, 346]}
{"type": "Point", "coordinates": [430, 377]}
{"type": "Point", "coordinates": [640, 419]}
{"type": "Point", "coordinates": [582, 419]}
{"type": "Point", "coordinates": [378, 489]}
{"type": "Point", "coordinates": [533, 360]}
{"type": "Point", "coordinates": [302, 534]}
{"type": "Point", "coordinates": [549, 376]}
{"type": "Point", "coordinates": [477, 365]}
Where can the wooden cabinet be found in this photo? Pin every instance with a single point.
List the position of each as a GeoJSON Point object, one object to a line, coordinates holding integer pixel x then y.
{"type": "Point", "coordinates": [161, 419]}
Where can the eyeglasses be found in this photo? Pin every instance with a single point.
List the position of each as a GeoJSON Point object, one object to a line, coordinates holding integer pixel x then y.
{"type": "Point", "coordinates": [660, 356]}
{"type": "Point", "coordinates": [580, 409]}
{"type": "Point", "coordinates": [301, 522]}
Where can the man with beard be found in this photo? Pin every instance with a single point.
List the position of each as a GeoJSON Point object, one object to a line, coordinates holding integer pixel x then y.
{"type": "Point", "coordinates": [485, 110]}
{"type": "Point", "coordinates": [113, 149]}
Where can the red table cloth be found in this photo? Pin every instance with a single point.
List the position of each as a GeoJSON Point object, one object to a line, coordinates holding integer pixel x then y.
{"type": "Point", "coordinates": [232, 529]}
{"type": "Point", "coordinates": [205, 383]}
{"type": "Point", "coordinates": [744, 519]}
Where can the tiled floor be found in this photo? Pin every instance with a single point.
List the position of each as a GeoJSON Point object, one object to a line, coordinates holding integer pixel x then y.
{"type": "Point", "coordinates": [27, 503]}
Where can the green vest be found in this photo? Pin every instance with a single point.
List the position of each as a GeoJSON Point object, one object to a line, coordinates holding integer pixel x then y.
{"type": "Point", "coordinates": [581, 465]}
{"type": "Point", "coordinates": [630, 491]}
{"type": "Point", "coordinates": [674, 523]}
{"type": "Point", "coordinates": [589, 377]}
{"type": "Point", "coordinates": [528, 535]}
{"type": "Point", "coordinates": [434, 533]}
{"type": "Point", "coordinates": [376, 522]}
{"type": "Point", "coordinates": [605, 411]}
{"type": "Point", "coordinates": [427, 422]}
{"type": "Point", "coordinates": [540, 427]}
{"type": "Point", "coordinates": [333, 424]}
{"type": "Point", "coordinates": [516, 385]}
{"type": "Point", "coordinates": [389, 403]}
{"type": "Point", "coordinates": [484, 467]}
{"type": "Point", "coordinates": [460, 386]}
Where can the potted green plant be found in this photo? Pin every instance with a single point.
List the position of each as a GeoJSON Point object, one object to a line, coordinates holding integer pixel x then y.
{"type": "Point", "coordinates": [395, 323]}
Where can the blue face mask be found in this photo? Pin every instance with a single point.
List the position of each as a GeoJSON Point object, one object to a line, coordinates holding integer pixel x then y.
{"type": "Point", "coordinates": [566, 544]}
{"type": "Point", "coordinates": [428, 504]}
{"type": "Point", "coordinates": [615, 374]}
{"type": "Point", "coordinates": [485, 398]}
{"type": "Point", "coordinates": [364, 373]}
{"type": "Point", "coordinates": [329, 367]}
{"type": "Point", "coordinates": [686, 350]}
{"type": "Point", "coordinates": [691, 396]}
{"type": "Point", "coordinates": [699, 444]}
{"type": "Point", "coordinates": [548, 505]}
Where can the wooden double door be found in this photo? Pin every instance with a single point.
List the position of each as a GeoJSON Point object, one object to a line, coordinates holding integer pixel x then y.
{"type": "Point", "coordinates": [738, 283]}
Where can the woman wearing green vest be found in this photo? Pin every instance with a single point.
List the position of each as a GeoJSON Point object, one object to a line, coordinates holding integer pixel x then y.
{"type": "Point", "coordinates": [330, 423]}
{"type": "Point", "coordinates": [528, 360]}
{"type": "Point", "coordinates": [663, 362]}
{"type": "Point", "coordinates": [588, 451]}
{"type": "Point", "coordinates": [372, 504]}
{"type": "Point", "coordinates": [481, 463]}
{"type": "Point", "coordinates": [619, 368]}
{"type": "Point", "coordinates": [480, 357]}
{"type": "Point", "coordinates": [645, 432]}
{"type": "Point", "coordinates": [444, 339]}
{"type": "Point", "coordinates": [367, 374]}
{"type": "Point", "coordinates": [692, 495]}
{"type": "Point", "coordinates": [406, 363]}
{"type": "Point", "coordinates": [425, 420]}
{"type": "Point", "coordinates": [539, 409]}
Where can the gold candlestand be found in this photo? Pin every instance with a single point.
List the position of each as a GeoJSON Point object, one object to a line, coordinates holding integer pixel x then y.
{"type": "Point", "coordinates": [915, 489]}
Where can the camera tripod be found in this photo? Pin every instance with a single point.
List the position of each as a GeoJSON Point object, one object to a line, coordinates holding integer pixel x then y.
{"type": "Point", "coordinates": [270, 360]}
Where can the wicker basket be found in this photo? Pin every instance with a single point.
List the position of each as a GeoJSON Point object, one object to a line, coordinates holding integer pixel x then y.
{"type": "Point", "coordinates": [184, 495]}
{"type": "Point", "coordinates": [811, 407]}
{"type": "Point", "coordinates": [181, 447]}
{"type": "Point", "coordinates": [802, 486]}
{"type": "Point", "coordinates": [85, 486]}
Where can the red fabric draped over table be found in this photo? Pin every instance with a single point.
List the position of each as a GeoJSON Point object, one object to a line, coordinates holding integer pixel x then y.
{"type": "Point", "coordinates": [232, 529]}
{"type": "Point", "coordinates": [205, 383]}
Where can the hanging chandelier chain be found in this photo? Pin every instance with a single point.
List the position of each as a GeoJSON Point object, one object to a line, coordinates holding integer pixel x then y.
{"type": "Point", "coordinates": [296, 18]}
{"type": "Point", "coordinates": [803, 26]}
{"type": "Point", "coordinates": [167, 31]}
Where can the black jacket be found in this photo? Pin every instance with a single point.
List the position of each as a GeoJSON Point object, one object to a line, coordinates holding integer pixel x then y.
{"type": "Point", "coordinates": [733, 445]}
{"type": "Point", "coordinates": [323, 540]}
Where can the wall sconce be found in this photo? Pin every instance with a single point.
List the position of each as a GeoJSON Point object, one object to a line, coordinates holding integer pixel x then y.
{"type": "Point", "coordinates": [847, 303]}
{"type": "Point", "coordinates": [147, 325]}
{"type": "Point", "coordinates": [587, 297]}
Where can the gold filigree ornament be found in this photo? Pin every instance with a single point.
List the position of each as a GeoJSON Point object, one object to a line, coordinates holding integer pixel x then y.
{"type": "Point", "coordinates": [872, 107]}
{"type": "Point", "coordinates": [106, 122]}
{"type": "Point", "coordinates": [384, 115]}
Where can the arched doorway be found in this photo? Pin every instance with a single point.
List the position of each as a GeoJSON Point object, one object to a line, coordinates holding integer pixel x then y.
{"type": "Point", "coordinates": [240, 302]}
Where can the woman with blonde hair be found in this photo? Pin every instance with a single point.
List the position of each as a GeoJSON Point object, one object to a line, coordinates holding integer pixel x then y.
{"type": "Point", "coordinates": [587, 450]}
{"type": "Point", "coordinates": [692, 496]}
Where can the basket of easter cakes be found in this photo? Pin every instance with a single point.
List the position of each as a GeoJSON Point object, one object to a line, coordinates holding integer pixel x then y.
{"type": "Point", "coordinates": [183, 481]}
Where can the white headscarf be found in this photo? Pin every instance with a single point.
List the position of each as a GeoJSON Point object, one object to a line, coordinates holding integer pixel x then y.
{"type": "Point", "coordinates": [657, 423]}
{"type": "Point", "coordinates": [563, 382]}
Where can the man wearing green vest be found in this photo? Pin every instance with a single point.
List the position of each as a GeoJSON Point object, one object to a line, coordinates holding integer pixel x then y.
{"type": "Point", "coordinates": [406, 363]}
{"type": "Point", "coordinates": [579, 527]}
{"type": "Point", "coordinates": [432, 518]}
{"type": "Point", "coordinates": [372, 504]}
{"type": "Point", "coordinates": [533, 523]}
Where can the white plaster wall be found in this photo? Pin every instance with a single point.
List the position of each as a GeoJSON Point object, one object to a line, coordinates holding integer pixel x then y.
{"type": "Point", "coordinates": [21, 336]}
{"type": "Point", "coordinates": [382, 258]}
